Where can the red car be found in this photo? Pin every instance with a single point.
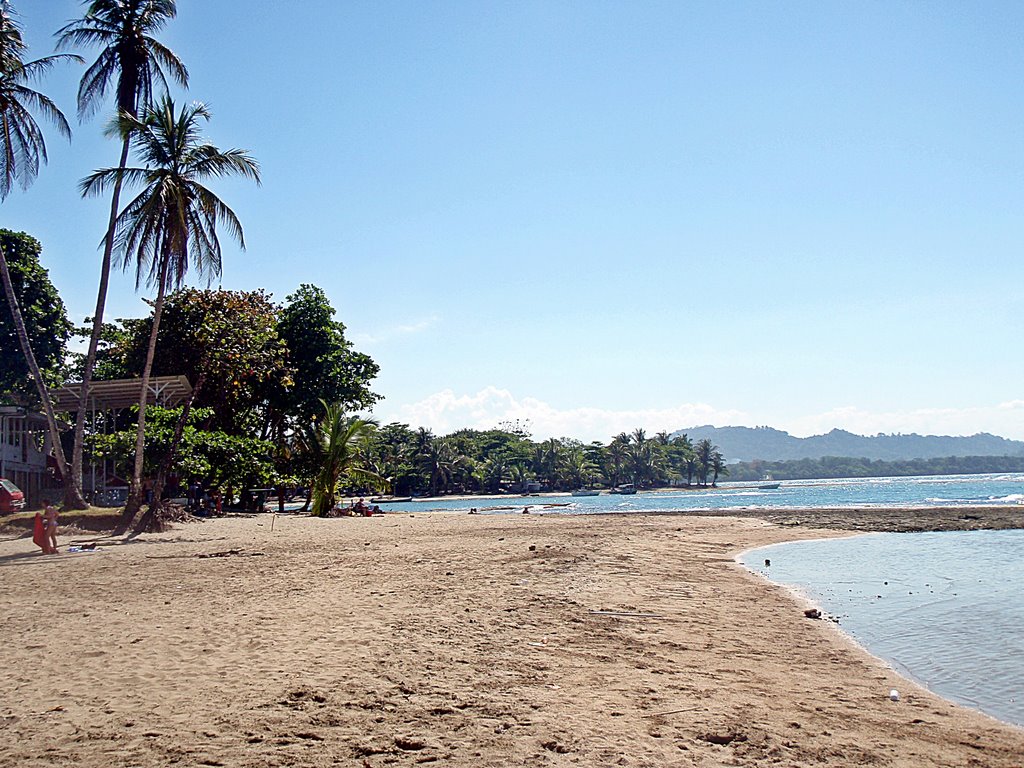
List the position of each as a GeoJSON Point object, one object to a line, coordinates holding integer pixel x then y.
{"type": "Point", "coordinates": [11, 497]}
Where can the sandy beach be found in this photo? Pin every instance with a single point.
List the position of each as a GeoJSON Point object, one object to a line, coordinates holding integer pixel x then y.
{"type": "Point", "coordinates": [452, 640]}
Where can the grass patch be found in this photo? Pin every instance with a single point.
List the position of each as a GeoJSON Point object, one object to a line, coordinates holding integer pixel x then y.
{"type": "Point", "coordinates": [91, 519]}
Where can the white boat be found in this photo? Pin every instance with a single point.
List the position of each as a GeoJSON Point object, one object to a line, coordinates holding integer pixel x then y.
{"type": "Point", "coordinates": [586, 492]}
{"type": "Point", "coordinates": [768, 483]}
{"type": "Point", "coordinates": [624, 489]}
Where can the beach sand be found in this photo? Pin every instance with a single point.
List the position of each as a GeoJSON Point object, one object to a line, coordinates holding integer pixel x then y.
{"type": "Point", "coordinates": [449, 640]}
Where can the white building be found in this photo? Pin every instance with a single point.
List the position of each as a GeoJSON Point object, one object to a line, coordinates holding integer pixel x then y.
{"type": "Point", "coordinates": [24, 446]}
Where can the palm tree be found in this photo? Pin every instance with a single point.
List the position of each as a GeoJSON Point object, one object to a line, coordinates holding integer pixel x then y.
{"type": "Point", "coordinates": [22, 149]}
{"type": "Point", "coordinates": [172, 223]}
{"type": "Point", "coordinates": [492, 472]}
{"type": "Point", "coordinates": [337, 441]}
{"type": "Point", "coordinates": [441, 460]}
{"type": "Point", "coordinates": [705, 452]}
{"type": "Point", "coordinates": [131, 56]}
{"type": "Point", "coordinates": [381, 461]}
{"type": "Point", "coordinates": [617, 454]}
{"type": "Point", "coordinates": [718, 466]}
{"type": "Point", "coordinates": [577, 471]}
{"type": "Point", "coordinates": [546, 458]}
{"type": "Point", "coordinates": [681, 457]}
{"type": "Point", "coordinates": [644, 460]}
{"type": "Point", "coordinates": [519, 475]}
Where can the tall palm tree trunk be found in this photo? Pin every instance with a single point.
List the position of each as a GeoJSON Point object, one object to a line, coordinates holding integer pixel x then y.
{"type": "Point", "coordinates": [154, 519]}
{"type": "Point", "coordinates": [74, 488]}
{"type": "Point", "coordinates": [37, 376]}
{"type": "Point", "coordinates": [135, 494]}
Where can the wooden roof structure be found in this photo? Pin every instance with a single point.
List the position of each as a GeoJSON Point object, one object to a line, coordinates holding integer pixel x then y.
{"type": "Point", "coordinates": [167, 391]}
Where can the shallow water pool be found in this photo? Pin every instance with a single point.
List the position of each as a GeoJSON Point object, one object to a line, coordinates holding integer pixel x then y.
{"type": "Point", "coordinates": [946, 609]}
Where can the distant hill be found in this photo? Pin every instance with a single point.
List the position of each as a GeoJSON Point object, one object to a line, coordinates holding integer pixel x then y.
{"type": "Point", "coordinates": [767, 444]}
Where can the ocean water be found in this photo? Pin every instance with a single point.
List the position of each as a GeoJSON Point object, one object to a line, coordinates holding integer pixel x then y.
{"type": "Point", "coordinates": [934, 491]}
{"type": "Point", "coordinates": [946, 609]}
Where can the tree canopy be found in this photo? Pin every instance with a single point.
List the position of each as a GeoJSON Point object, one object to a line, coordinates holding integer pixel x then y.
{"type": "Point", "coordinates": [45, 318]}
{"type": "Point", "coordinates": [250, 352]}
{"type": "Point", "coordinates": [320, 358]}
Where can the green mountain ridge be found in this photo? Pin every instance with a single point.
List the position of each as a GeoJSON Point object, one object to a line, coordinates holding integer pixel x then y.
{"type": "Point", "coordinates": [768, 444]}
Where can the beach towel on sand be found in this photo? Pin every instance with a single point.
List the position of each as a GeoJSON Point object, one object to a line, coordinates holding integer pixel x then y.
{"type": "Point", "coordinates": [39, 534]}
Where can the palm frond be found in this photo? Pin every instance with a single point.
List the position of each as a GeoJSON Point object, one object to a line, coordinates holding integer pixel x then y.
{"type": "Point", "coordinates": [122, 30]}
{"type": "Point", "coordinates": [45, 106]}
{"type": "Point", "coordinates": [94, 83]}
{"type": "Point", "coordinates": [171, 226]}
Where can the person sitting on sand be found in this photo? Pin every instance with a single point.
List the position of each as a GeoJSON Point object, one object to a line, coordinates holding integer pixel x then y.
{"type": "Point", "coordinates": [360, 507]}
{"type": "Point", "coordinates": [50, 522]}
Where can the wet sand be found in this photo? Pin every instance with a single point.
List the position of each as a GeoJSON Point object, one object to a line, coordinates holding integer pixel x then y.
{"type": "Point", "coordinates": [454, 640]}
{"type": "Point", "coordinates": [888, 519]}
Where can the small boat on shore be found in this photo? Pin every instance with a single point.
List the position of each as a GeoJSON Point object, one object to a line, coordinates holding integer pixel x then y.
{"type": "Point", "coordinates": [586, 492]}
{"type": "Point", "coordinates": [624, 489]}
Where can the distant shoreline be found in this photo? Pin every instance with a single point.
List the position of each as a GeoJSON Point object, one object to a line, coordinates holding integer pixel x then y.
{"type": "Point", "coordinates": [878, 519]}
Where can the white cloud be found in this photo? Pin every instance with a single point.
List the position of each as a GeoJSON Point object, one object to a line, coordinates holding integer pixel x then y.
{"type": "Point", "coordinates": [386, 334]}
{"type": "Point", "coordinates": [446, 411]}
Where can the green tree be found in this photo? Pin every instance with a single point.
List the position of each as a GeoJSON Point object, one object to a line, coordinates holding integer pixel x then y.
{"type": "Point", "coordinates": [22, 149]}
{"type": "Point", "coordinates": [576, 469]}
{"type": "Point", "coordinates": [22, 145]}
{"type": "Point", "coordinates": [546, 459]}
{"type": "Point", "coordinates": [321, 357]}
{"type": "Point", "coordinates": [396, 446]}
{"type": "Point", "coordinates": [682, 458]}
{"type": "Point", "coordinates": [228, 342]}
{"type": "Point", "coordinates": [493, 472]}
{"type": "Point", "coordinates": [173, 223]}
{"type": "Point", "coordinates": [441, 460]}
{"type": "Point", "coordinates": [220, 460]}
{"type": "Point", "coordinates": [642, 457]}
{"type": "Point", "coordinates": [616, 457]}
{"type": "Point", "coordinates": [135, 60]}
{"type": "Point", "coordinates": [46, 322]}
{"type": "Point", "coordinates": [225, 342]}
{"type": "Point", "coordinates": [520, 474]}
{"type": "Point", "coordinates": [335, 441]}
{"type": "Point", "coordinates": [718, 466]}
{"type": "Point", "coordinates": [704, 458]}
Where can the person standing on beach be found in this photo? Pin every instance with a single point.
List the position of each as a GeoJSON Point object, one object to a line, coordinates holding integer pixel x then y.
{"type": "Point", "coordinates": [50, 523]}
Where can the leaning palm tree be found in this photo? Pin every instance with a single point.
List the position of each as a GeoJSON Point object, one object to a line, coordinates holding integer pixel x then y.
{"type": "Point", "coordinates": [23, 146]}
{"type": "Point", "coordinates": [337, 441]}
{"type": "Point", "coordinates": [130, 56]}
{"type": "Point", "coordinates": [171, 225]}
{"type": "Point", "coordinates": [22, 149]}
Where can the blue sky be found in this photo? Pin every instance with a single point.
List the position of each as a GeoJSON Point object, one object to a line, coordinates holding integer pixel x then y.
{"type": "Point", "coordinates": [602, 215]}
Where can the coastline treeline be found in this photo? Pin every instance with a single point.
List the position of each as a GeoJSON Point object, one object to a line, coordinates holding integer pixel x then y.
{"type": "Point", "coordinates": [415, 462]}
{"type": "Point", "coordinates": [262, 375]}
{"type": "Point", "coordinates": [842, 467]}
